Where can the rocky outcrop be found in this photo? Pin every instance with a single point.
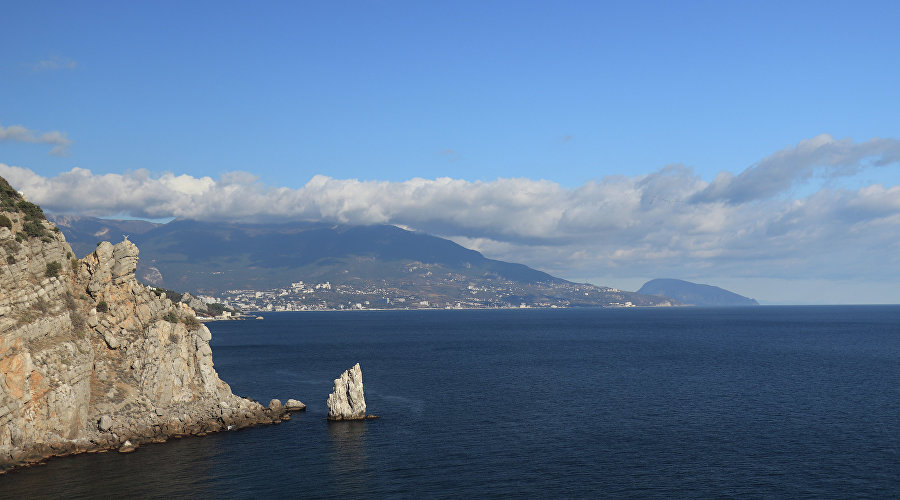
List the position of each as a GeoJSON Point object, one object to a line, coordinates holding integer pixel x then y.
{"type": "Point", "coordinates": [347, 401]}
{"type": "Point", "coordinates": [193, 302]}
{"type": "Point", "coordinates": [294, 405]}
{"type": "Point", "coordinates": [90, 358]}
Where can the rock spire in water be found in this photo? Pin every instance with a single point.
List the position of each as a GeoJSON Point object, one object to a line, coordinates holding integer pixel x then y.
{"type": "Point", "coordinates": [347, 401]}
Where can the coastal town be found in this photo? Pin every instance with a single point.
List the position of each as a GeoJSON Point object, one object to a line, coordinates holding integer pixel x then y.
{"type": "Point", "coordinates": [493, 294]}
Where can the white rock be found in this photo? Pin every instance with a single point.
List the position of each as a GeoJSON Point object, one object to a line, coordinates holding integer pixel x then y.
{"type": "Point", "coordinates": [294, 405]}
{"type": "Point", "coordinates": [348, 402]}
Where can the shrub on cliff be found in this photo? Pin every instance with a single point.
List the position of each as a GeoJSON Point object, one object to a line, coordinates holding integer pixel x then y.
{"type": "Point", "coordinates": [53, 269]}
{"type": "Point", "coordinates": [191, 322]}
{"type": "Point", "coordinates": [170, 294]}
{"type": "Point", "coordinates": [10, 246]}
{"type": "Point", "coordinates": [102, 306]}
{"type": "Point", "coordinates": [34, 228]}
{"type": "Point", "coordinates": [79, 322]}
{"type": "Point", "coordinates": [5, 222]}
{"type": "Point", "coordinates": [32, 211]}
{"type": "Point", "coordinates": [8, 195]}
{"type": "Point", "coordinates": [170, 317]}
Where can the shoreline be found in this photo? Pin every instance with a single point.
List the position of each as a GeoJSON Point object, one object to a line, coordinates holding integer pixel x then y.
{"type": "Point", "coordinates": [511, 308]}
{"type": "Point", "coordinates": [216, 418]}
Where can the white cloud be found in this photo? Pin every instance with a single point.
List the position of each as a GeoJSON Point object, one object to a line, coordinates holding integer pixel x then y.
{"type": "Point", "coordinates": [18, 133]}
{"type": "Point", "coordinates": [821, 155]}
{"type": "Point", "coordinates": [54, 63]}
{"type": "Point", "coordinates": [669, 222]}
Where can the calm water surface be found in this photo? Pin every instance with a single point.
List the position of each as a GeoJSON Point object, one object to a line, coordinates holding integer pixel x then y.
{"type": "Point", "coordinates": [687, 402]}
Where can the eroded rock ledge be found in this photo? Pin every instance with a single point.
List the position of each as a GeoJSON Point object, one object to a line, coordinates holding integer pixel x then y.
{"type": "Point", "coordinates": [90, 358]}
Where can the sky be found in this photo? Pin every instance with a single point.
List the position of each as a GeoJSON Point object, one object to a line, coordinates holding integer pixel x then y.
{"type": "Point", "coordinates": [749, 145]}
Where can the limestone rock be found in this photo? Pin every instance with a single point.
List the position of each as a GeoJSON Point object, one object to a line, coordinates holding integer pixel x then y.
{"type": "Point", "coordinates": [125, 258]}
{"type": "Point", "coordinates": [347, 401]}
{"type": "Point", "coordinates": [111, 340]}
{"type": "Point", "coordinates": [294, 405]}
{"type": "Point", "coordinates": [105, 423]}
{"type": "Point", "coordinates": [193, 302]}
{"type": "Point", "coordinates": [204, 333]}
{"type": "Point", "coordinates": [70, 374]}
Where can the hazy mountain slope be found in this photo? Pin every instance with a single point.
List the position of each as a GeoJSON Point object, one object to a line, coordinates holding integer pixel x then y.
{"type": "Point", "coordinates": [694, 293]}
{"type": "Point", "coordinates": [194, 255]}
{"type": "Point", "coordinates": [83, 233]}
{"type": "Point", "coordinates": [377, 266]}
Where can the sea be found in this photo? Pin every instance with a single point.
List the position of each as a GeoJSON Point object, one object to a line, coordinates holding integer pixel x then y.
{"type": "Point", "coordinates": [752, 402]}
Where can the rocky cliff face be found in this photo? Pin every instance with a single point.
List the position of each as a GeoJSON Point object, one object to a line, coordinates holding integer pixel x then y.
{"type": "Point", "coordinates": [90, 357]}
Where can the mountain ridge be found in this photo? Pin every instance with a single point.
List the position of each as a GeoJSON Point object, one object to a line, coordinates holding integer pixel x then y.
{"type": "Point", "coordinates": [377, 266]}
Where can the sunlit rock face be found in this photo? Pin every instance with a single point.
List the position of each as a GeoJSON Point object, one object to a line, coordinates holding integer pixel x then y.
{"type": "Point", "coordinates": [347, 401]}
{"type": "Point", "coordinates": [90, 357]}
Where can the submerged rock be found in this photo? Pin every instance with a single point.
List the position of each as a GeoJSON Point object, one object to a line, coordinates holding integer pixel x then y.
{"type": "Point", "coordinates": [347, 401]}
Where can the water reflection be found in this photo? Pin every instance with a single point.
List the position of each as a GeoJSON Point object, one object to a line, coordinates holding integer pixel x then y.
{"type": "Point", "coordinates": [349, 457]}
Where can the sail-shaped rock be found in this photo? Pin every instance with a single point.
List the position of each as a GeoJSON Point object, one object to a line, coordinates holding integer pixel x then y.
{"type": "Point", "coordinates": [347, 401]}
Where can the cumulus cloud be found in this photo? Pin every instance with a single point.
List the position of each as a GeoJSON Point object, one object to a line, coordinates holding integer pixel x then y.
{"type": "Point", "coordinates": [18, 133]}
{"type": "Point", "coordinates": [54, 63]}
{"type": "Point", "coordinates": [670, 222]}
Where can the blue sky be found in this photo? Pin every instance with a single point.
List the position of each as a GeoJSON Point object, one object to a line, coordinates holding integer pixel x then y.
{"type": "Point", "coordinates": [577, 94]}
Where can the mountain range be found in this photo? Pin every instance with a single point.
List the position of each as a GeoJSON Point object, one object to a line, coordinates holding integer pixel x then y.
{"type": "Point", "coordinates": [327, 266]}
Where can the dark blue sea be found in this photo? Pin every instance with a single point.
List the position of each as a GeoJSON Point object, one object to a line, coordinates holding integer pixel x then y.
{"type": "Point", "coordinates": [785, 402]}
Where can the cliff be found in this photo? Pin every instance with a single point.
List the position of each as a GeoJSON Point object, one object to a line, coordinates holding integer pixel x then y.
{"type": "Point", "coordinates": [90, 358]}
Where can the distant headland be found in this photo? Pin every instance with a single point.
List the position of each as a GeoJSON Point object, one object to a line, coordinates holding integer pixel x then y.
{"type": "Point", "coordinates": [695, 294]}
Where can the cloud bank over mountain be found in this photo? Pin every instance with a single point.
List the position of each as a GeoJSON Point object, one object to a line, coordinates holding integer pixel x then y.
{"type": "Point", "coordinates": [669, 222]}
